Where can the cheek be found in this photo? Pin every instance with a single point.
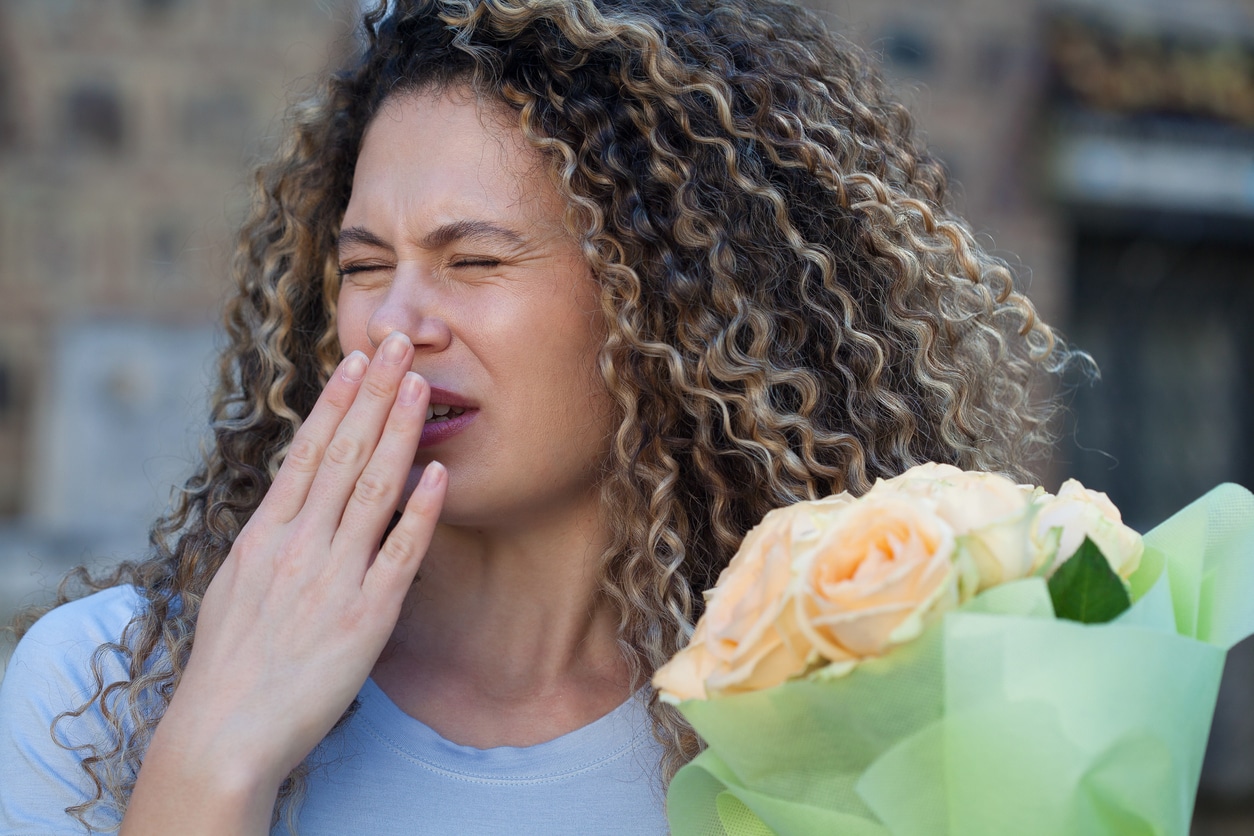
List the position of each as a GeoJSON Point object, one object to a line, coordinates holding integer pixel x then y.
{"type": "Point", "coordinates": [583, 356]}
{"type": "Point", "coordinates": [351, 318]}
{"type": "Point", "coordinates": [573, 347]}
{"type": "Point", "coordinates": [558, 377]}
{"type": "Point", "coordinates": [600, 405]}
{"type": "Point", "coordinates": [592, 415]}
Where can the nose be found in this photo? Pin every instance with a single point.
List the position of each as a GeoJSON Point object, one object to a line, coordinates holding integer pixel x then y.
{"type": "Point", "coordinates": [412, 309]}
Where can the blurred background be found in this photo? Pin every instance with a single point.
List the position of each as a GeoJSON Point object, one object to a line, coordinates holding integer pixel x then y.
{"type": "Point", "coordinates": [1104, 147]}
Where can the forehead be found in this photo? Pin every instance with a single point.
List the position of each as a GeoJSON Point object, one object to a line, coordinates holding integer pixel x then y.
{"type": "Point", "coordinates": [449, 148]}
{"type": "Point", "coordinates": [455, 112]}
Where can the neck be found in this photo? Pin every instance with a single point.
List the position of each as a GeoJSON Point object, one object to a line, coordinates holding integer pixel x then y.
{"type": "Point", "coordinates": [504, 639]}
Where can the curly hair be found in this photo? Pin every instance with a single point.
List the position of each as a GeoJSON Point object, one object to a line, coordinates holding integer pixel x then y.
{"type": "Point", "coordinates": [791, 308]}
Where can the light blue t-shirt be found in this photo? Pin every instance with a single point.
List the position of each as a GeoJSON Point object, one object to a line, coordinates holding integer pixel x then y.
{"type": "Point", "coordinates": [382, 772]}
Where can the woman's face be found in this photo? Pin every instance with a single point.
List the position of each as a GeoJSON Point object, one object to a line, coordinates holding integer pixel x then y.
{"type": "Point", "coordinates": [453, 235]}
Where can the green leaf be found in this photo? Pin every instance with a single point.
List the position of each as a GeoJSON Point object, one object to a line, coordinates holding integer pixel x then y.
{"type": "Point", "coordinates": [1086, 589]}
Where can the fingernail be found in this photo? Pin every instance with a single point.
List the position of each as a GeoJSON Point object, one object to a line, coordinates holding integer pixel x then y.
{"type": "Point", "coordinates": [354, 367]}
{"type": "Point", "coordinates": [394, 347]}
{"type": "Point", "coordinates": [411, 388]}
{"type": "Point", "coordinates": [431, 475]}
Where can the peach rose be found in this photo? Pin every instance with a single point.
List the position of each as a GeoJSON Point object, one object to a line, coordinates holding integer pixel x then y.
{"type": "Point", "coordinates": [1063, 521]}
{"type": "Point", "coordinates": [874, 576]}
{"type": "Point", "coordinates": [748, 638]}
{"type": "Point", "coordinates": [990, 515]}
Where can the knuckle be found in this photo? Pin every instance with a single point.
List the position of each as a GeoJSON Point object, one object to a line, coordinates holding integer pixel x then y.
{"type": "Point", "coordinates": [399, 545]}
{"type": "Point", "coordinates": [340, 398]}
{"type": "Point", "coordinates": [257, 540]}
{"type": "Point", "coordinates": [377, 388]}
{"type": "Point", "coordinates": [371, 489]}
{"type": "Point", "coordinates": [248, 541]}
{"type": "Point", "coordinates": [303, 455]}
{"type": "Point", "coordinates": [344, 450]}
{"type": "Point", "coordinates": [351, 620]}
{"type": "Point", "coordinates": [289, 559]}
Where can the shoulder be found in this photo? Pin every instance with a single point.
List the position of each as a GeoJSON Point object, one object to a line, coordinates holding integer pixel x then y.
{"type": "Point", "coordinates": [100, 617]}
{"type": "Point", "coordinates": [61, 644]}
{"type": "Point", "coordinates": [55, 666]}
{"type": "Point", "coordinates": [53, 670]}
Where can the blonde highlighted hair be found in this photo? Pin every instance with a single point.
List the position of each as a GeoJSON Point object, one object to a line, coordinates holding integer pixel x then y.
{"type": "Point", "coordinates": [791, 308]}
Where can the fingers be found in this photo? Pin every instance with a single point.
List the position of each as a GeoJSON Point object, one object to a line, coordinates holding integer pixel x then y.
{"type": "Point", "coordinates": [389, 577]}
{"type": "Point", "coordinates": [354, 442]}
{"type": "Point", "coordinates": [291, 485]}
{"type": "Point", "coordinates": [378, 489]}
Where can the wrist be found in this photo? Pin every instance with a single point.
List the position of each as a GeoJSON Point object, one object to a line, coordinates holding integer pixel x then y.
{"type": "Point", "coordinates": [199, 777]}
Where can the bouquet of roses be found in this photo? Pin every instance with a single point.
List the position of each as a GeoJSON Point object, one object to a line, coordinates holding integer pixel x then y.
{"type": "Point", "coordinates": [952, 653]}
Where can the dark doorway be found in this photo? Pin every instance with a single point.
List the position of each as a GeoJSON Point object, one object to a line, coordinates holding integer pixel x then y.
{"type": "Point", "coordinates": [1170, 323]}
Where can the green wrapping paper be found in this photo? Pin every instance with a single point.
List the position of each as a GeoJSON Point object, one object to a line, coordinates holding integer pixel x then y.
{"type": "Point", "coordinates": [999, 719]}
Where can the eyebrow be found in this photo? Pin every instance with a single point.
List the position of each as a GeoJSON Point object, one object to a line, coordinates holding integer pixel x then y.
{"type": "Point", "coordinates": [439, 237]}
{"type": "Point", "coordinates": [359, 235]}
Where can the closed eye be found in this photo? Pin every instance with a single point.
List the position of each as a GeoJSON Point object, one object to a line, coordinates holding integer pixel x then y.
{"type": "Point", "coordinates": [352, 269]}
{"type": "Point", "coordinates": [475, 262]}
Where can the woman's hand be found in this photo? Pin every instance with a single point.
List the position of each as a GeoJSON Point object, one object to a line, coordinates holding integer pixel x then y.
{"type": "Point", "coordinates": [293, 622]}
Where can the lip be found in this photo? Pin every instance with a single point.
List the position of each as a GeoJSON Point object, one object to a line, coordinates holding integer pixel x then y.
{"type": "Point", "coordinates": [436, 433]}
{"type": "Point", "coordinates": [444, 396]}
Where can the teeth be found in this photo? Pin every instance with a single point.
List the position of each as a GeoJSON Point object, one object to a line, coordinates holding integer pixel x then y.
{"type": "Point", "coordinates": [442, 412]}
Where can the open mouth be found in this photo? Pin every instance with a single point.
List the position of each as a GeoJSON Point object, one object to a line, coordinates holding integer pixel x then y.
{"type": "Point", "coordinates": [438, 412]}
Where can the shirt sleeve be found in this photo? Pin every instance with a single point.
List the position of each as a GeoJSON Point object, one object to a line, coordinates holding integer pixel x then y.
{"type": "Point", "coordinates": [50, 672]}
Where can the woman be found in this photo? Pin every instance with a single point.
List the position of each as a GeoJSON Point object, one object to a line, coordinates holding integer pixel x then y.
{"type": "Point", "coordinates": [579, 290]}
